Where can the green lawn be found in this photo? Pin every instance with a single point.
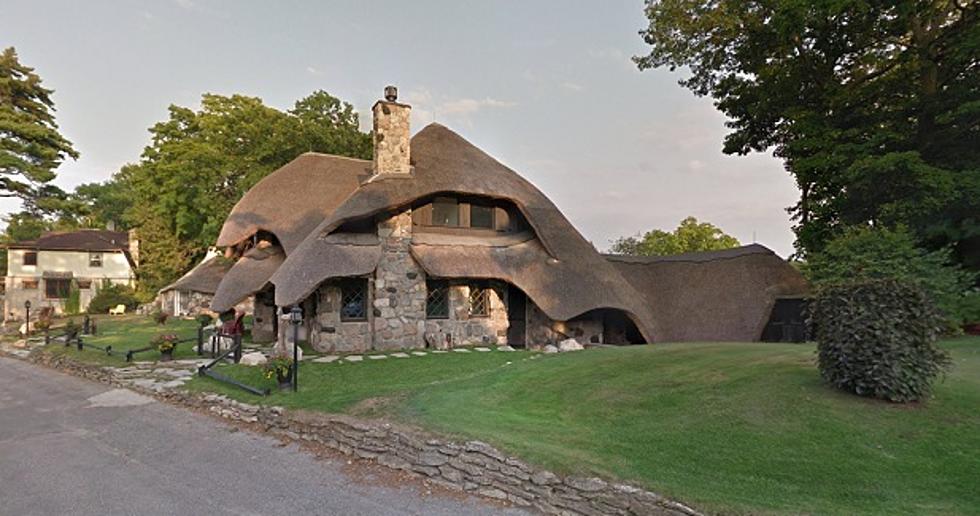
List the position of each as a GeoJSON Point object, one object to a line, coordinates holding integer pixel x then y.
{"type": "Point", "coordinates": [732, 428]}
{"type": "Point", "coordinates": [126, 332]}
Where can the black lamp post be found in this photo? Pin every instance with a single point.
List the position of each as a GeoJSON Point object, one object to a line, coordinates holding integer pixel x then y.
{"type": "Point", "coordinates": [296, 317]}
{"type": "Point", "coordinates": [27, 316]}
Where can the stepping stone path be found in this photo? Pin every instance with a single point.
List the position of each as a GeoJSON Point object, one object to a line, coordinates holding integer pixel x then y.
{"type": "Point", "coordinates": [482, 350]}
{"type": "Point", "coordinates": [440, 351]}
{"type": "Point", "coordinates": [377, 357]}
{"type": "Point", "coordinates": [461, 350]}
{"type": "Point", "coordinates": [400, 355]}
{"type": "Point", "coordinates": [419, 353]}
{"type": "Point", "coordinates": [505, 348]}
{"type": "Point", "coordinates": [327, 359]}
{"type": "Point", "coordinates": [354, 358]}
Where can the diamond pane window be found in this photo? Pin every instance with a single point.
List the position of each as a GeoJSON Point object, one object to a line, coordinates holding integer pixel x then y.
{"type": "Point", "coordinates": [353, 300]}
{"type": "Point", "coordinates": [479, 301]}
{"type": "Point", "coordinates": [437, 299]}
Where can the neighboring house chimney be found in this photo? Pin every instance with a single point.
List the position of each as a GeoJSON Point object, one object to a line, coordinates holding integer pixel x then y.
{"type": "Point", "coordinates": [134, 247]}
{"type": "Point", "coordinates": [391, 134]}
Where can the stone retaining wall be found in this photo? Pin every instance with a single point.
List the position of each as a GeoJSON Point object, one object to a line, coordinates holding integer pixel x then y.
{"type": "Point", "coordinates": [471, 466]}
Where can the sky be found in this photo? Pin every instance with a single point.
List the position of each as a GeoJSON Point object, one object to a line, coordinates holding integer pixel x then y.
{"type": "Point", "coordinates": [546, 87]}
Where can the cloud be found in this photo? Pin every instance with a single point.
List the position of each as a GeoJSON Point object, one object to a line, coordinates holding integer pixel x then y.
{"type": "Point", "coordinates": [427, 108]}
{"type": "Point", "coordinates": [186, 4]}
{"type": "Point", "coordinates": [695, 164]}
{"type": "Point", "coordinates": [313, 71]}
{"type": "Point", "coordinates": [470, 106]}
{"type": "Point", "coordinates": [572, 86]}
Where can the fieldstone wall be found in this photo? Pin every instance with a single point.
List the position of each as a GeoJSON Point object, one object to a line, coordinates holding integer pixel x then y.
{"type": "Point", "coordinates": [330, 334]}
{"type": "Point", "coordinates": [462, 329]}
{"type": "Point", "coordinates": [398, 307]}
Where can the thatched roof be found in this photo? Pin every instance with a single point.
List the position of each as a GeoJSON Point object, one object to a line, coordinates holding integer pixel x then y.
{"type": "Point", "coordinates": [572, 277]}
{"type": "Point", "coordinates": [712, 296]}
{"type": "Point", "coordinates": [291, 201]}
{"type": "Point", "coordinates": [204, 277]}
{"type": "Point", "coordinates": [249, 275]}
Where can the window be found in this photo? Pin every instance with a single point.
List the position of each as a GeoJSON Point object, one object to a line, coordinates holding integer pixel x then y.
{"type": "Point", "coordinates": [57, 288]}
{"type": "Point", "coordinates": [30, 257]}
{"type": "Point", "coordinates": [481, 216]}
{"type": "Point", "coordinates": [479, 300]}
{"type": "Point", "coordinates": [353, 300]}
{"type": "Point", "coordinates": [29, 284]}
{"type": "Point", "coordinates": [84, 283]}
{"type": "Point", "coordinates": [437, 299]}
{"type": "Point", "coordinates": [445, 212]}
{"type": "Point", "coordinates": [95, 259]}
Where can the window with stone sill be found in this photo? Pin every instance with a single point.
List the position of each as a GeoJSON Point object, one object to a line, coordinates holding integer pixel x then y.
{"type": "Point", "coordinates": [353, 300]}
{"type": "Point", "coordinates": [479, 300]}
{"type": "Point", "coordinates": [29, 284]}
{"type": "Point", "coordinates": [30, 258]}
{"type": "Point", "coordinates": [437, 299]}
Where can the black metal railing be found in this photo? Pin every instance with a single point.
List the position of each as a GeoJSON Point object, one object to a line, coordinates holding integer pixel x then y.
{"type": "Point", "coordinates": [235, 350]}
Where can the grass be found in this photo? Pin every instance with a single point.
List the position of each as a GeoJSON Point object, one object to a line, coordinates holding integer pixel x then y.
{"type": "Point", "coordinates": [126, 332]}
{"type": "Point", "coordinates": [730, 428]}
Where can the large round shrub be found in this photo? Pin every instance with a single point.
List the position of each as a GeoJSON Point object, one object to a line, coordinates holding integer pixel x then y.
{"type": "Point", "coordinates": [877, 338]}
{"type": "Point", "coordinates": [110, 296]}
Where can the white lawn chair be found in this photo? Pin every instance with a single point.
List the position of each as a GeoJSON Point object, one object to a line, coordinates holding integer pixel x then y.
{"type": "Point", "coordinates": [118, 310]}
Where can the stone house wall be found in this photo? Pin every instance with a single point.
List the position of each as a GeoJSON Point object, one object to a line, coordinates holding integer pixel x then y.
{"type": "Point", "coordinates": [462, 329]}
{"type": "Point", "coordinates": [396, 309]}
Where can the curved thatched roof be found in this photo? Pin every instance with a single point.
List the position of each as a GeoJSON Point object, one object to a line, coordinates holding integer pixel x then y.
{"type": "Point", "coordinates": [204, 277]}
{"type": "Point", "coordinates": [291, 201]}
{"type": "Point", "coordinates": [249, 275]}
{"type": "Point", "coordinates": [712, 296]}
{"type": "Point", "coordinates": [573, 275]}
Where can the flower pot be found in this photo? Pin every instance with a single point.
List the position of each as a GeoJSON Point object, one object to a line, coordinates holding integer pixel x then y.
{"type": "Point", "coordinates": [167, 356]}
{"type": "Point", "coordinates": [285, 378]}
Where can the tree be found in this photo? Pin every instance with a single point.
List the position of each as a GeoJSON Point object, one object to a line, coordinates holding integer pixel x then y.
{"type": "Point", "coordinates": [873, 106]}
{"type": "Point", "coordinates": [690, 236]}
{"type": "Point", "coordinates": [874, 253]}
{"type": "Point", "coordinates": [31, 147]}
{"type": "Point", "coordinates": [199, 164]}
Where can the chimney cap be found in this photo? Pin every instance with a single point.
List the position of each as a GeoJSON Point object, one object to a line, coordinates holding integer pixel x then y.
{"type": "Point", "coordinates": [391, 93]}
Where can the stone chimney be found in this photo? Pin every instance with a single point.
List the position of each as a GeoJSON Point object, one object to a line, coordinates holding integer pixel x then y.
{"type": "Point", "coordinates": [391, 135]}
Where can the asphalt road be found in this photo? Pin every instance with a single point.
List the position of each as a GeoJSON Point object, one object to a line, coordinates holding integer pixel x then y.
{"type": "Point", "coordinates": [69, 446]}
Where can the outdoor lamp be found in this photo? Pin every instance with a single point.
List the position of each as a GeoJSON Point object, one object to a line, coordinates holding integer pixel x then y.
{"type": "Point", "coordinates": [27, 317]}
{"type": "Point", "coordinates": [296, 315]}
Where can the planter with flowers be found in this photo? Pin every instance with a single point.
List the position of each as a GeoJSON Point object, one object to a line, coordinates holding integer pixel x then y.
{"type": "Point", "coordinates": [165, 343]}
{"type": "Point", "coordinates": [280, 368]}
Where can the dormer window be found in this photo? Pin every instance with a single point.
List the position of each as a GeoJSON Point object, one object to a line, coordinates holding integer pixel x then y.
{"type": "Point", "coordinates": [481, 216]}
{"type": "Point", "coordinates": [445, 212]}
{"type": "Point", "coordinates": [95, 259]}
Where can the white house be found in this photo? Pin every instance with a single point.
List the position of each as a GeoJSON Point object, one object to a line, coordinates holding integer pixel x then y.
{"type": "Point", "coordinates": [43, 271]}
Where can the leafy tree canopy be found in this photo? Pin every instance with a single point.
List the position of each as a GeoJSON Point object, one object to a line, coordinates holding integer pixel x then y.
{"type": "Point", "coordinates": [199, 164]}
{"type": "Point", "coordinates": [690, 236]}
{"type": "Point", "coordinates": [872, 253]}
{"type": "Point", "coordinates": [31, 147]}
{"type": "Point", "coordinates": [873, 106]}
